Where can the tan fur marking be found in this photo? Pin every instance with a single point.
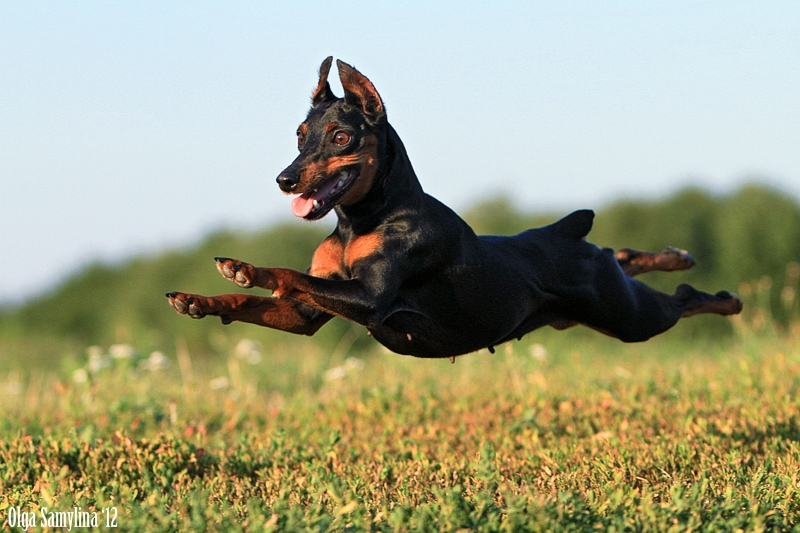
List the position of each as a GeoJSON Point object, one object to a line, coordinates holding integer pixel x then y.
{"type": "Point", "coordinates": [318, 90]}
{"type": "Point", "coordinates": [331, 126]}
{"type": "Point", "coordinates": [361, 247]}
{"type": "Point", "coordinates": [634, 262]}
{"type": "Point", "coordinates": [368, 157]}
{"type": "Point", "coordinates": [328, 167]}
{"type": "Point", "coordinates": [358, 84]}
{"type": "Point", "coordinates": [327, 258]}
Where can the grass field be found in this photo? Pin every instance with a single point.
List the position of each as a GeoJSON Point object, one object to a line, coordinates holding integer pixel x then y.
{"type": "Point", "coordinates": [561, 432]}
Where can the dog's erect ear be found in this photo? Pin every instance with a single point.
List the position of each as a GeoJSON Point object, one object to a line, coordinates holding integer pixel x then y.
{"type": "Point", "coordinates": [323, 91]}
{"type": "Point", "coordinates": [359, 91]}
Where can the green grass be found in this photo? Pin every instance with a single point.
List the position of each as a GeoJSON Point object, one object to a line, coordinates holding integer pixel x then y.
{"type": "Point", "coordinates": [595, 435]}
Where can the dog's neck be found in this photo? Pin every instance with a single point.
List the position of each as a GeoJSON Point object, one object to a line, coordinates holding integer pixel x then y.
{"type": "Point", "coordinates": [395, 186]}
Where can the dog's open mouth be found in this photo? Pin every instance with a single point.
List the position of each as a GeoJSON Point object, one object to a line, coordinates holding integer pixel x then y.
{"type": "Point", "coordinates": [314, 204]}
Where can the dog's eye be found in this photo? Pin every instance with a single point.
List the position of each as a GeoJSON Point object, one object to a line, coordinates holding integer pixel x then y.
{"type": "Point", "coordinates": [300, 139]}
{"type": "Point", "coordinates": [341, 138]}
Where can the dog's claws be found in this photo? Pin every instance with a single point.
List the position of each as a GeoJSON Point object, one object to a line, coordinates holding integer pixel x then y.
{"type": "Point", "coordinates": [409, 336]}
{"type": "Point", "coordinates": [452, 359]}
{"type": "Point", "coordinates": [233, 270]}
{"type": "Point", "coordinates": [224, 268]}
{"type": "Point", "coordinates": [491, 349]}
{"type": "Point", "coordinates": [225, 319]}
{"type": "Point", "coordinates": [683, 254]}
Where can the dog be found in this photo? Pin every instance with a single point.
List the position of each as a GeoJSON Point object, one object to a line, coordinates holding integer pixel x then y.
{"type": "Point", "coordinates": [412, 272]}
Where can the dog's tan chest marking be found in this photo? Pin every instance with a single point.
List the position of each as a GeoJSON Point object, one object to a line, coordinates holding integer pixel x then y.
{"type": "Point", "coordinates": [327, 258]}
{"type": "Point", "coordinates": [361, 247]}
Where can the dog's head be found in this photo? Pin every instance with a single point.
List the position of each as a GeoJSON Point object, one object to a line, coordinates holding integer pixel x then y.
{"type": "Point", "coordinates": [339, 144]}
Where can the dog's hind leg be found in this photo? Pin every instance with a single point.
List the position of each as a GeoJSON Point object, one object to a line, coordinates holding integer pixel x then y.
{"type": "Point", "coordinates": [642, 312]}
{"type": "Point", "coordinates": [695, 302]}
{"type": "Point", "coordinates": [635, 262]}
{"type": "Point", "coordinates": [625, 308]}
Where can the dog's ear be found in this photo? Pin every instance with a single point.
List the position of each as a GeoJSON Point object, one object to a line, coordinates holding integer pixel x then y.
{"type": "Point", "coordinates": [323, 91]}
{"type": "Point", "coordinates": [360, 92]}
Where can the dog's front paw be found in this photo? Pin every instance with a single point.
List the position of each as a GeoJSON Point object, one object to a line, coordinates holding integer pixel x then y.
{"type": "Point", "coordinates": [242, 274]}
{"type": "Point", "coordinates": [187, 304]}
{"type": "Point", "coordinates": [197, 306]}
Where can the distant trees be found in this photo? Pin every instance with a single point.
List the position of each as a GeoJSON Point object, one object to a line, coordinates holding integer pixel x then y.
{"type": "Point", "coordinates": [751, 234]}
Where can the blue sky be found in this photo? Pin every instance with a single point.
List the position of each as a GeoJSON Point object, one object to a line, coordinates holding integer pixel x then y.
{"type": "Point", "coordinates": [130, 127]}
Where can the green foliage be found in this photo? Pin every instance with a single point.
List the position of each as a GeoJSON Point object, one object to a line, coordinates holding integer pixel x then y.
{"type": "Point", "coordinates": [748, 236]}
{"type": "Point", "coordinates": [565, 431]}
{"type": "Point", "coordinates": [571, 436]}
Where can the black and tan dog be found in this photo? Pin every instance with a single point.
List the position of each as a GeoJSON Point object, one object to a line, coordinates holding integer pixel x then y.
{"type": "Point", "coordinates": [415, 274]}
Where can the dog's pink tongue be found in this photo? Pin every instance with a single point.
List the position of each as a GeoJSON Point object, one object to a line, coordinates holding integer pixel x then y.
{"type": "Point", "coordinates": [302, 205]}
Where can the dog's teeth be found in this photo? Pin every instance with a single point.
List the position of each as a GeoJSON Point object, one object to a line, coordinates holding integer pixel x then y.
{"type": "Point", "coordinates": [316, 204]}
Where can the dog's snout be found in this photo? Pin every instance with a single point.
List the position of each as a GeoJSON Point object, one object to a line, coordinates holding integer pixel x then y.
{"type": "Point", "coordinates": [288, 181]}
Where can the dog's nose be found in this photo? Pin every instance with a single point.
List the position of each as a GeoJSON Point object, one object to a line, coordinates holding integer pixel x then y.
{"type": "Point", "coordinates": [288, 181]}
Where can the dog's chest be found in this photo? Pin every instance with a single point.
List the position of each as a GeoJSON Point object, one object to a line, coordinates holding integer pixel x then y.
{"type": "Point", "coordinates": [333, 258]}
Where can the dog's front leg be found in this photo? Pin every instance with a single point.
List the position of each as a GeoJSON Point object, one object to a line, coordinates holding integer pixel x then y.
{"type": "Point", "coordinates": [284, 314]}
{"type": "Point", "coordinates": [351, 299]}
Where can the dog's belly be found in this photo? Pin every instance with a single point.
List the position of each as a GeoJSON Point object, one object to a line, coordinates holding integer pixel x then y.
{"type": "Point", "coordinates": [410, 333]}
{"type": "Point", "coordinates": [451, 315]}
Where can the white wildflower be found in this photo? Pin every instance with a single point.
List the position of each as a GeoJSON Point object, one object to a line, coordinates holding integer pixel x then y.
{"type": "Point", "coordinates": [156, 361]}
{"type": "Point", "coordinates": [13, 387]}
{"type": "Point", "coordinates": [97, 362]}
{"type": "Point", "coordinates": [121, 351]}
{"type": "Point", "coordinates": [94, 351]}
{"type": "Point", "coordinates": [538, 352]}
{"type": "Point", "coordinates": [337, 372]}
{"type": "Point", "coordinates": [249, 351]}
{"type": "Point", "coordinates": [353, 363]}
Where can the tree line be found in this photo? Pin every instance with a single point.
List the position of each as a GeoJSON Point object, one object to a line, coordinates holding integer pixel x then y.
{"type": "Point", "coordinates": [749, 235]}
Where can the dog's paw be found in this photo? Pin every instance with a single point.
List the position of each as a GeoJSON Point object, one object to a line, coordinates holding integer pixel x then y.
{"type": "Point", "coordinates": [242, 274]}
{"type": "Point", "coordinates": [678, 259]}
{"type": "Point", "coordinates": [188, 304]}
{"type": "Point", "coordinates": [732, 303]}
{"type": "Point", "coordinates": [197, 306]}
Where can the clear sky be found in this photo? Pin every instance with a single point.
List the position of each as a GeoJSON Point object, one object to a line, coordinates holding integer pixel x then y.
{"type": "Point", "coordinates": [132, 126]}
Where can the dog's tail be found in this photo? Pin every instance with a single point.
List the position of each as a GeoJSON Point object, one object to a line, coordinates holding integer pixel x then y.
{"type": "Point", "coordinates": [576, 225]}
